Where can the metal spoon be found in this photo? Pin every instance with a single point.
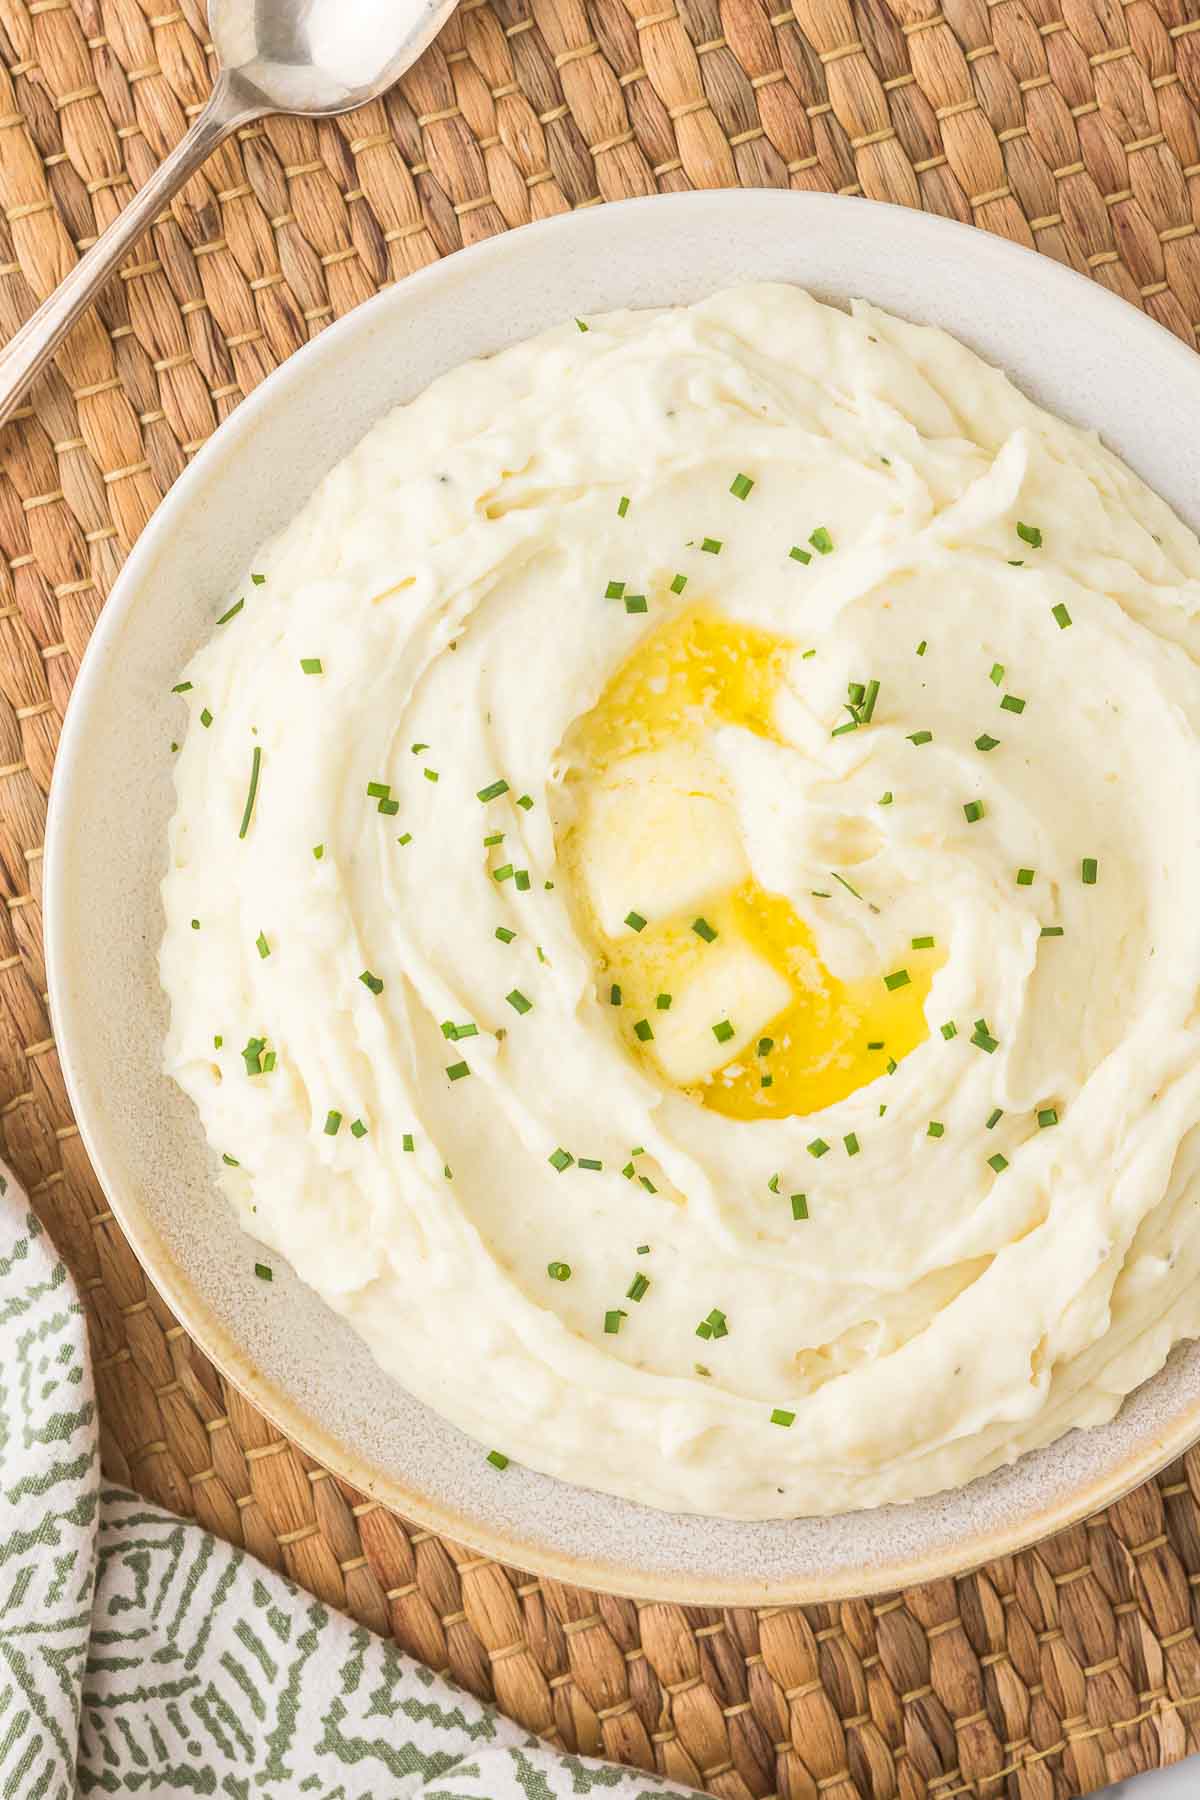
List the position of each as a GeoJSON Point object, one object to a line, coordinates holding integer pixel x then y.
{"type": "Point", "coordinates": [299, 56]}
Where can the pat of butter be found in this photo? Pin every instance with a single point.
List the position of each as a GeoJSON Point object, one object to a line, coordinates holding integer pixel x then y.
{"type": "Point", "coordinates": [658, 835]}
{"type": "Point", "coordinates": [734, 988]}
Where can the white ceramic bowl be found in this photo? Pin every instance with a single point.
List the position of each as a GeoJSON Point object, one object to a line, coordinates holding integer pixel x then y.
{"type": "Point", "coordinates": [1074, 347]}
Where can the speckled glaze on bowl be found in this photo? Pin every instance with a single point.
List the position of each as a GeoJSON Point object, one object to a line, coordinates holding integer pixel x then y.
{"type": "Point", "coordinates": [1074, 347]}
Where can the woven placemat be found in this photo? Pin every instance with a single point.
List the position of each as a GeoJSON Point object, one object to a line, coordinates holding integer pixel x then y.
{"type": "Point", "coordinates": [1070, 125]}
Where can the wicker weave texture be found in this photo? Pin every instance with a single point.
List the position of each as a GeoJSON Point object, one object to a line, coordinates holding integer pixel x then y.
{"type": "Point", "coordinates": [1068, 125]}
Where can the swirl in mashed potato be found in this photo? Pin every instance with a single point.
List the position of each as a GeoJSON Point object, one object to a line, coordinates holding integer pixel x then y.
{"type": "Point", "coordinates": [681, 908]}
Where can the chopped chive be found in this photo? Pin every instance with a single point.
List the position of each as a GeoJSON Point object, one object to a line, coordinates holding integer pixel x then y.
{"type": "Point", "coordinates": [504, 934]}
{"type": "Point", "coordinates": [643, 1031]}
{"type": "Point", "coordinates": [766, 1081]}
{"type": "Point", "coordinates": [637, 1287]}
{"type": "Point", "coordinates": [922, 647]}
{"type": "Point", "coordinates": [406, 1142]}
{"type": "Point", "coordinates": [378, 790]}
{"type": "Point", "coordinates": [612, 1321]}
{"type": "Point", "coordinates": [493, 791]}
{"type": "Point", "coordinates": [492, 839]}
{"type": "Point", "coordinates": [230, 1161]}
{"type": "Point", "coordinates": [311, 665]}
{"type": "Point", "coordinates": [875, 1044]}
{"type": "Point", "coordinates": [993, 1119]}
{"type": "Point", "coordinates": [457, 1070]}
{"type": "Point", "coordinates": [333, 1123]}
{"type": "Point", "coordinates": [643, 1250]}
{"type": "Point", "coordinates": [635, 921]}
{"type": "Point", "coordinates": [417, 748]}
{"type": "Point", "coordinates": [765, 1046]}
{"type": "Point", "coordinates": [663, 1002]}
{"type": "Point", "coordinates": [258, 580]}
{"type": "Point", "coordinates": [518, 1002]}
{"type": "Point", "coordinates": [232, 613]}
{"type": "Point", "coordinates": [996, 674]}
{"type": "Point", "coordinates": [503, 873]}
{"type": "Point", "coordinates": [711, 545]}
{"type": "Point", "coordinates": [1029, 534]}
{"type": "Point", "coordinates": [252, 1055]}
{"type": "Point", "coordinates": [920, 737]}
{"type": "Point", "coordinates": [358, 1129]}
{"type": "Point", "coordinates": [318, 852]}
{"type": "Point", "coordinates": [1089, 870]}
{"type": "Point", "coordinates": [891, 1065]}
{"type": "Point", "coordinates": [581, 325]}
{"type": "Point", "coordinates": [622, 506]}
{"type": "Point", "coordinates": [799, 1206]}
{"type": "Point", "coordinates": [559, 1271]}
{"type": "Point", "coordinates": [560, 1159]}
{"type": "Point", "coordinates": [206, 718]}
{"type": "Point", "coordinates": [821, 540]}
{"type": "Point", "coordinates": [1061, 616]}
{"type": "Point", "coordinates": [430, 774]}
{"type": "Point", "coordinates": [390, 808]}
{"type": "Point", "coordinates": [1012, 704]}
{"type": "Point", "coordinates": [590, 1162]}
{"type": "Point", "coordinates": [1051, 931]}
{"type": "Point", "coordinates": [268, 1062]}
{"type": "Point", "coordinates": [1025, 877]}
{"type": "Point", "coordinates": [935, 1129]}
{"type": "Point", "coordinates": [897, 979]}
{"type": "Point", "coordinates": [182, 687]}
{"type": "Point", "coordinates": [982, 1038]}
{"type": "Point", "coordinates": [740, 486]}
{"type": "Point", "coordinates": [817, 1148]}
{"type": "Point", "coordinates": [949, 1030]}
{"type": "Point", "coordinates": [636, 603]}
{"type": "Point", "coordinates": [678, 583]}
{"type": "Point", "coordinates": [615, 590]}
{"type": "Point", "coordinates": [262, 946]}
{"type": "Point", "coordinates": [218, 1041]}
{"type": "Point", "coordinates": [195, 924]}
{"type": "Point", "coordinates": [1047, 1116]}
{"type": "Point", "coordinates": [497, 1459]}
{"type": "Point", "coordinates": [781, 1416]}
{"type": "Point", "coordinates": [985, 742]}
{"type": "Point", "coordinates": [923, 943]}
{"type": "Point", "coordinates": [405, 837]}
{"type": "Point", "coordinates": [722, 1031]}
{"type": "Point", "coordinates": [371, 981]}
{"type": "Point", "coordinates": [521, 881]}
{"type": "Point", "coordinates": [773, 1184]}
{"type": "Point", "coordinates": [704, 930]}
{"type": "Point", "coordinates": [973, 811]}
{"type": "Point", "coordinates": [998, 1162]}
{"type": "Point", "coordinates": [800, 556]}
{"type": "Point", "coordinates": [264, 1271]}
{"type": "Point", "coordinates": [852, 1144]}
{"type": "Point", "coordinates": [525, 802]}
{"type": "Point", "coordinates": [614, 995]}
{"type": "Point", "coordinates": [885, 799]}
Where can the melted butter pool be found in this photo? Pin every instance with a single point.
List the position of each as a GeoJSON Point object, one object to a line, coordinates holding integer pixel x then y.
{"type": "Point", "coordinates": [829, 1037]}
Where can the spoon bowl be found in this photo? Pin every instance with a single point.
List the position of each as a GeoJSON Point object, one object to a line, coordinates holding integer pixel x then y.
{"type": "Point", "coordinates": [318, 56]}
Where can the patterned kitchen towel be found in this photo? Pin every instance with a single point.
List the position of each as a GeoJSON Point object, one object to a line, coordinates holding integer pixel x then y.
{"type": "Point", "coordinates": [140, 1655]}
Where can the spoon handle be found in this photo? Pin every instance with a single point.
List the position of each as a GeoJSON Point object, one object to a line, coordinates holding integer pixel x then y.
{"type": "Point", "coordinates": [39, 337]}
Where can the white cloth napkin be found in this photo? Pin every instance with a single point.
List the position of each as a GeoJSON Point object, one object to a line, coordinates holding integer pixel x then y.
{"type": "Point", "coordinates": [140, 1655]}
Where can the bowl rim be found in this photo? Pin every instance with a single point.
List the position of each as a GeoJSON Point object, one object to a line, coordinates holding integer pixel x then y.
{"type": "Point", "coordinates": [173, 1282]}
